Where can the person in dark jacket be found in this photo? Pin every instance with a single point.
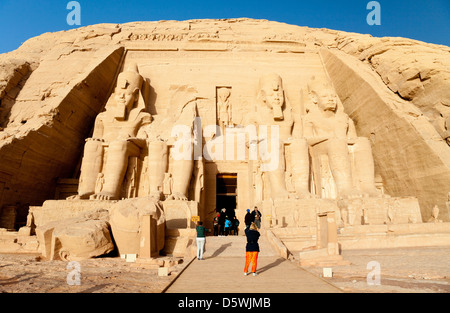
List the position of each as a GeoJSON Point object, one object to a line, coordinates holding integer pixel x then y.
{"type": "Point", "coordinates": [235, 225]}
{"type": "Point", "coordinates": [248, 219]}
{"type": "Point", "coordinates": [256, 214]}
{"type": "Point", "coordinates": [252, 248]}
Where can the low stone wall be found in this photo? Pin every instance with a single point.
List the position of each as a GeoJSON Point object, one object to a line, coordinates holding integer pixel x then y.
{"type": "Point", "coordinates": [370, 236]}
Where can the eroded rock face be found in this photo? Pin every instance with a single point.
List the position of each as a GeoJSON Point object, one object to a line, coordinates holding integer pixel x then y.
{"type": "Point", "coordinates": [416, 71]}
{"type": "Point", "coordinates": [51, 111]}
{"type": "Point", "coordinates": [13, 77]}
{"type": "Point", "coordinates": [394, 90]}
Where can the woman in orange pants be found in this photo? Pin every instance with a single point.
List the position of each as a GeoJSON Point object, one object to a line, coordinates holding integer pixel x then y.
{"type": "Point", "coordinates": [252, 248]}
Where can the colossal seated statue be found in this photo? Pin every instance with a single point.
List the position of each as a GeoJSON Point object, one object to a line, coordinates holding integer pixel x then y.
{"type": "Point", "coordinates": [273, 109]}
{"type": "Point", "coordinates": [330, 131]}
{"type": "Point", "coordinates": [170, 145]}
{"type": "Point", "coordinates": [115, 135]}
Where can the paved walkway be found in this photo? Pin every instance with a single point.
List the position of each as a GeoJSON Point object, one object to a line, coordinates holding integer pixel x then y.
{"type": "Point", "coordinates": [222, 271]}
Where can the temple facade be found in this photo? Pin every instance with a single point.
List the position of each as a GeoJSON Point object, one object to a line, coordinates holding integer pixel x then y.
{"type": "Point", "coordinates": [180, 120]}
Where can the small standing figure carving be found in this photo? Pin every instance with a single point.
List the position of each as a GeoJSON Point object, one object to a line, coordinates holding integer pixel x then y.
{"type": "Point", "coordinates": [224, 108]}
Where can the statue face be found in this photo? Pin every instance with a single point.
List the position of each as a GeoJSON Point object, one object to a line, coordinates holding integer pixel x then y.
{"type": "Point", "coordinates": [326, 99]}
{"type": "Point", "coordinates": [124, 96]}
{"type": "Point", "coordinates": [273, 92]}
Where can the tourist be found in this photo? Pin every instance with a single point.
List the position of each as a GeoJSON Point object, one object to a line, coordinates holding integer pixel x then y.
{"type": "Point", "coordinates": [235, 225]}
{"type": "Point", "coordinates": [252, 248]}
{"type": "Point", "coordinates": [216, 224]}
{"type": "Point", "coordinates": [248, 219]}
{"type": "Point", "coordinates": [222, 223]}
{"type": "Point", "coordinates": [228, 226]}
{"type": "Point", "coordinates": [256, 214]}
{"type": "Point", "coordinates": [201, 240]}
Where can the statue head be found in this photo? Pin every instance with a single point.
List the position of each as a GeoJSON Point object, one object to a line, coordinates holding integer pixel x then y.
{"type": "Point", "coordinates": [223, 94]}
{"type": "Point", "coordinates": [271, 93]}
{"type": "Point", "coordinates": [322, 94]}
{"type": "Point", "coordinates": [127, 89]}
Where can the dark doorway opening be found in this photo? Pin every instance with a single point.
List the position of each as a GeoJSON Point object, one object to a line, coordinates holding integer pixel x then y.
{"type": "Point", "coordinates": [226, 193]}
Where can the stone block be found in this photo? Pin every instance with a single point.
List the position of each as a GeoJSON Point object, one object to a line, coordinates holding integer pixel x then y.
{"type": "Point", "coordinates": [163, 271]}
{"type": "Point", "coordinates": [327, 272]}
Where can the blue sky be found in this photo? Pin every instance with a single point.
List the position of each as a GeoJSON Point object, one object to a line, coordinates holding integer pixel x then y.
{"type": "Point", "coordinates": [426, 20]}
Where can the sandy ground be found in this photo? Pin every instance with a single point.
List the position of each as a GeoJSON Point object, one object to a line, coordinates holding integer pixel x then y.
{"type": "Point", "coordinates": [405, 270]}
{"type": "Point", "coordinates": [410, 270]}
{"type": "Point", "coordinates": [26, 273]}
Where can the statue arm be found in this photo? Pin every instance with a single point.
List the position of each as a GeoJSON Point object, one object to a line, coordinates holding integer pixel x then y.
{"type": "Point", "coordinates": [142, 135]}
{"type": "Point", "coordinates": [309, 133]}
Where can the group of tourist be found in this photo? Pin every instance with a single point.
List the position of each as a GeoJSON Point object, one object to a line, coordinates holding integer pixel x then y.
{"type": "Point", "coordinates": [223, 226]}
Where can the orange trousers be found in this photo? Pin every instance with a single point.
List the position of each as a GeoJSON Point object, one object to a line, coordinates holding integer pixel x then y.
{"type": "Point", "coordinates": [251, 256]}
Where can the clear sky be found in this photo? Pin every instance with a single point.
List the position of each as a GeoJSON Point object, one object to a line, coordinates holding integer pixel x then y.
{"type": "Point", "coordinates": [425, 20]}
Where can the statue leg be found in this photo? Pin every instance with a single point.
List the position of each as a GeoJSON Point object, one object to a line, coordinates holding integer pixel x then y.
{"type": "Point", "coordinates": [91, 166]}
{"type": "Point", "coordinates": [182, 173]}
{"type": "Point", "coordinates": [115, 168]}
{"type": "Point", "coordinates": [276, 172]}
{"type": "Point", "coordinates": [365, 168]}
{"type": "Point", "coordinates": [300, 167]}
{"type": "Point", "coordinates": [339, 159]}
{"type": "Point", "coordinates": [157, 164]}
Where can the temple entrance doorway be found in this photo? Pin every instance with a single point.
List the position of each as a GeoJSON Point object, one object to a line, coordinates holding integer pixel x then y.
{"type": "Point", "coordinates": [226, 193]}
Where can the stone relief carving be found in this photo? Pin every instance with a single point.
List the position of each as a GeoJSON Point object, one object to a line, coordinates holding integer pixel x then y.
{"type": "Point", "coordinates": [157, 37]}
{"type": "Point", "coordinates": [224, 111]}
{"type": "Point", "coordinates": [174, 36]}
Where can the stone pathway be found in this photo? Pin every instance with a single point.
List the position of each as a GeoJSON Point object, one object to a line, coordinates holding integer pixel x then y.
{"type": "Point", "coordinates": [222, 271]}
